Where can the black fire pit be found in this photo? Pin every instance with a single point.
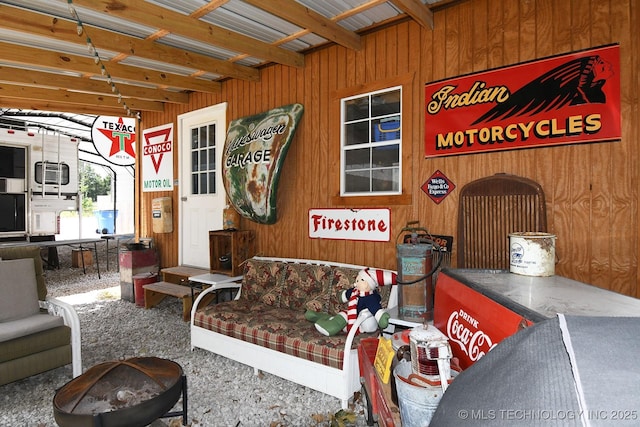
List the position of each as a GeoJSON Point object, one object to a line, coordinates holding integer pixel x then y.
{"type": "Point", "coordinates": [127, 393]}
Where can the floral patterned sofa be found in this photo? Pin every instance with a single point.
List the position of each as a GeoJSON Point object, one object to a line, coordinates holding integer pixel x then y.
{"type": "Point", "coordinates": [264, 326]}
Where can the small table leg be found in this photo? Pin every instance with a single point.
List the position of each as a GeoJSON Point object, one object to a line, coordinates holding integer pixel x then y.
{"type": "Point", "coordinates": [95, 249]}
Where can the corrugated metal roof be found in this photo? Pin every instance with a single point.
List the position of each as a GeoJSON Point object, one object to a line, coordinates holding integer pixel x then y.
{"type": "Point", "coordinates": [225, 39]}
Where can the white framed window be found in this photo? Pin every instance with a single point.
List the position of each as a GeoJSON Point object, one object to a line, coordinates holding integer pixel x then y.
{"type": "Point", "coordinates": [371, 143]}
{"type": "Point", "coordinates": [54, 173]}
{"type": "Point", "coordinates": [203, 159]}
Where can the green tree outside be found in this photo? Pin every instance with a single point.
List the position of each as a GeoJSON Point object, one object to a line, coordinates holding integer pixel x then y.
{"type": "Point", "coordinates": [92, 185]}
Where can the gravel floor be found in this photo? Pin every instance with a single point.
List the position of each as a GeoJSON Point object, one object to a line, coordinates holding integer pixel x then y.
{"type": "Point", "coordinates": [221, 392]}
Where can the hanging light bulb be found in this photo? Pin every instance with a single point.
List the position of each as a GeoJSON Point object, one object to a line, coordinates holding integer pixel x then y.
{"type": "Point", "coordinates": [72, 10]}
{"type": "Point", "coordinates": [96, 56]}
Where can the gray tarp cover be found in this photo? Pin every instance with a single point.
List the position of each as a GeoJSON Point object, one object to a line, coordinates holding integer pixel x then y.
{"type": "Point", "coordinates": [565, 371]}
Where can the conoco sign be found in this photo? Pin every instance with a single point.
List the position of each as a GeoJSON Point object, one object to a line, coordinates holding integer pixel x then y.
{"type": "Point", "coordinates": [566, 99]}
{"type": "Point", "coordinates": [254, 152]}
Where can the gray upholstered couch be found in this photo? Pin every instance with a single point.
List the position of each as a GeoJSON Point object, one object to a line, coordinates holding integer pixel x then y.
{"type": "Point", "coordinates": [36, 333]}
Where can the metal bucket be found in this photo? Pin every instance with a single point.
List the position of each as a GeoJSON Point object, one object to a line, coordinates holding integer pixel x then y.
{"type": "Point", "coordinates": [417, 404]}
{"type": "Point", "coordinates": [532, 253]}
{"type": "Point", "coordinates": [139, 280]}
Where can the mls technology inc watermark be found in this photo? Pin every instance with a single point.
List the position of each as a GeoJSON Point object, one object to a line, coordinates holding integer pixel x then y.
{"type": "Point", "coordinates": [545, 415]}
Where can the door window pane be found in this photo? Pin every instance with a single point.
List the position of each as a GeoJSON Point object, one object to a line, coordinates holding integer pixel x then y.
{"type": "Point", "coordinates": [203, 159]}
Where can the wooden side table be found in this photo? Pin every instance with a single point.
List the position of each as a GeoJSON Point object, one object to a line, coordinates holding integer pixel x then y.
{"type": "Point", "coordinates": [239, 245]}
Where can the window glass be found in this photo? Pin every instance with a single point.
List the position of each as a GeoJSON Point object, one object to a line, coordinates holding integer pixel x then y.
{"type": "Point", "coordinates": [212, 159]}
{"type": "Point", "coordinates": [202, 137]}
{"type": "Point", "coordinates": [371, 140]}
{"type": "Point", "coordinates": [54, 173]}
{"type": "Point", "coordinates": [203, 159]}
{"type": "Point", "coordinates": [194, 138]}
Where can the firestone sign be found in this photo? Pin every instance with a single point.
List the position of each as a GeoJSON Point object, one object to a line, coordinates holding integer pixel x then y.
{"type": "Point", "coordinates": [567, 99]}
{"type": "Point", "coordinates": [350, 224]}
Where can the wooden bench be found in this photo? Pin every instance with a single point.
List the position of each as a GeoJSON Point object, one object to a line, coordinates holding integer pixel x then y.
{"type": "Point", "coordinates": [180, 274]}
{"type": "Point", "coordinates": [156, 292]}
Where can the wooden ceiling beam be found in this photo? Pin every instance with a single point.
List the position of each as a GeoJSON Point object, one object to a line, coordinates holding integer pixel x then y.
{"type": "Point", "coordinates": [306, 18]}
{"type": "Point", "coordinates": [69, 97]}
{"type": "Point", "coordinates": [149, 14]}
{"type": "Point", "coordinates": [81, 84]}
{"type": "Point", "coordinates": [417, 10]}
{"type": "Point", "coordinates": [203, 10]}
{"type": "Point", "coordinates": [49, 105]}
{"type": "Point", "coordinates": [62, 30]}
{"type": "Point", "coordinates": [15, 54]}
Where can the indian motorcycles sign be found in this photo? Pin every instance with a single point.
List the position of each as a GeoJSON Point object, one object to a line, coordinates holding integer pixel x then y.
{"type": "Point", "coordinates": [567, 99]}
{"type": "Point", "coordinates": [254, 152]}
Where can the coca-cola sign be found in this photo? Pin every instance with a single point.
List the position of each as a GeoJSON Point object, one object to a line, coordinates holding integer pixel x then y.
{"type": "Point", "coordinates": [463, 330]}
{"type": "Point", "coordinates": [473, 322]}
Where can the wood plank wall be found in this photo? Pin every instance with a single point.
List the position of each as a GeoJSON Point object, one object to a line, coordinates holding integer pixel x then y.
{"type": "Point", "coordinates": [591, 190]}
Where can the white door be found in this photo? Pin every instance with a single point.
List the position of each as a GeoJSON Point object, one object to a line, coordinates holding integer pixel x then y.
{"type": "Point", "coordinates": [202, 196]}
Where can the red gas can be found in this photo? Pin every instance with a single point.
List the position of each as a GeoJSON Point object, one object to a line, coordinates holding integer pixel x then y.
{"type": "Point", "coordinates": [139, 280]}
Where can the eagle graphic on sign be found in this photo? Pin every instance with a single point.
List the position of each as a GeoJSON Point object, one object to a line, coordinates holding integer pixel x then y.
{"type": "Point", "coordinates": [575, 82]}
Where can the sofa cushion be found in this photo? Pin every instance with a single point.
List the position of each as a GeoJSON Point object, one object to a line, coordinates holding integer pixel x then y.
{"type": "Point", "coordinates": [32, 252]}
{"type": "Point", "coordinates": [19, 289]}
{"type": "Point", "coordinates": [305, 287]}
{"type": "Point", "coordinates": [36, 363]}
{"type": "Point", "coordinates": [278, 329]}
{"type": "Point", "coordinates": [228, 317]}
{"type": "Point", "coordinates": [24, 346]}
{"type": "Point", "coordinates": [262, 282]}
{"type": "Point", "coordinates": [28, 325]}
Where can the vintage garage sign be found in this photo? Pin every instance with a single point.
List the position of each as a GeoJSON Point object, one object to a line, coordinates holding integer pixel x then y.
{"type": "Point", "coordinates": [350, 224]}
{"type": "Point", "coordinates": [566, 99]}
{"type": "Point", "coordinates": [157, 158]}
{"type": "Point", "coordinates": [115, 139]}
{"type": "Point", "coordinates": [254, 152]}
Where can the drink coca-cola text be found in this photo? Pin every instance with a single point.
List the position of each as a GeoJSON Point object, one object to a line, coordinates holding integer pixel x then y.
{"type": "Point", "coordinates": [463, 329]}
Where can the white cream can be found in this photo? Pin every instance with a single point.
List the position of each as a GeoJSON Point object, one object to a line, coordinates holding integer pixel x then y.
{"type": "Point", "coordinates": [532, 253]}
